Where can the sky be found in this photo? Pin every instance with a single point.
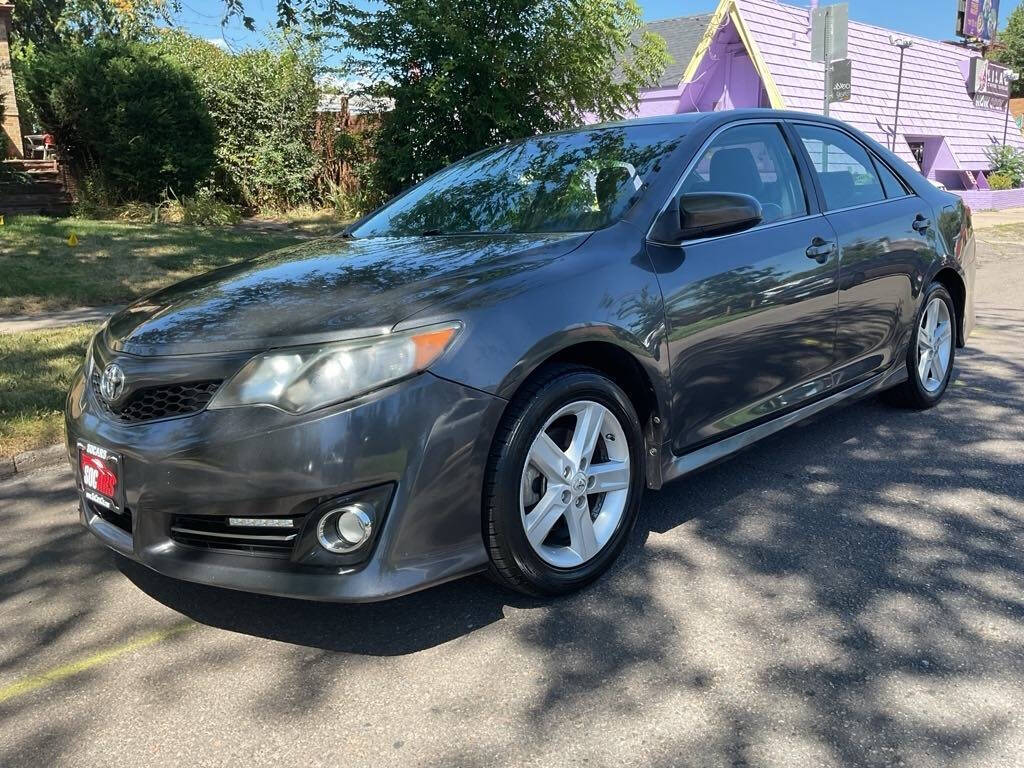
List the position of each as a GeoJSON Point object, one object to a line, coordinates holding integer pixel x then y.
{"type": "Point", "coordinates": [927, 18]}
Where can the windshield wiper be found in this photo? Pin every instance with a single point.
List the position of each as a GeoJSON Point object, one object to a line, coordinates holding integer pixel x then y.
{"type": "Point", "coordinates": [430, 232]}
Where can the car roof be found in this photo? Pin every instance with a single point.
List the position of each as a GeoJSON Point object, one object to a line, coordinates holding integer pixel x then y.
{"type": "Point", "coordinates": [727, 116]}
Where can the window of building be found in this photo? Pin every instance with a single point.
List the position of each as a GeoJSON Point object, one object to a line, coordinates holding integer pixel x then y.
{"type": "Point", "coordinates": [917, 150]}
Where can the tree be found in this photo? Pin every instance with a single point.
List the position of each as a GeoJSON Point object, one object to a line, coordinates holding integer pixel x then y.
{"type": "Point", "coordinates": [124, 117]}
{"type": "Point", "coordinates": [263, 102]}
{"type": "Point", "coordinates": [467, 74]}
{"type": "Point", "coordinates": [1009, 48]}
{"type": "Point", "coordinates": [46, 22]}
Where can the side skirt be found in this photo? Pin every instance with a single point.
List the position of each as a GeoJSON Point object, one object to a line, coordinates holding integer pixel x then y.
{"type": "Point", "coordinates": [702, 457]}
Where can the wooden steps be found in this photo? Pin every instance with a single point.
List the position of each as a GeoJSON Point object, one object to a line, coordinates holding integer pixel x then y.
{"type": "Point", "coordinates": [40, 188]}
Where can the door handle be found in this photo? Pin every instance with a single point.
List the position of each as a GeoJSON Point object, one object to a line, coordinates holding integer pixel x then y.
{"type": "Point", "coordinates": [921, 224]}
{"type": "Point", "coordinates": [821, 250]}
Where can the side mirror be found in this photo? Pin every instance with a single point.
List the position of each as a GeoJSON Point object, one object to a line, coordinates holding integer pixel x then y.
{"type": "Point", "coordinates": [707, 214]}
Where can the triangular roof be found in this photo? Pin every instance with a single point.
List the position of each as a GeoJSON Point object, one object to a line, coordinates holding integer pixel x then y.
{"type": "Point", "coordinates": [682, 36]}
{"type": "Point", "coordinates": [934, 98]}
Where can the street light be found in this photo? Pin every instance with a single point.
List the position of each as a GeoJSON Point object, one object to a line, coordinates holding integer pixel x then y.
{"type": "Point", "coordinates": [902, 43]}
{"type": "Point", "coordinates": [1013, 77]}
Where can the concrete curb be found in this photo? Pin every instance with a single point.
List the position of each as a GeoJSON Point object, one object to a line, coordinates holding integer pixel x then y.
{"type": "Point", "coordinates": [28, 461]}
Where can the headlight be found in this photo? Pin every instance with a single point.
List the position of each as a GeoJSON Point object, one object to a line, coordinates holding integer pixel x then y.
{"type": "Point", "coordinates": [302, 379]}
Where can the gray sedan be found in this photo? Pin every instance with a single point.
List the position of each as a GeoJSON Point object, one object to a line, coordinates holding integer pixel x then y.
{"type": "Point", "coordinates": [488, 372]}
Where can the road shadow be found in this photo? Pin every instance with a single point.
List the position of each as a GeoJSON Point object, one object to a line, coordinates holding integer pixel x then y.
{"type": "Point", "coordinates": [404, 625]}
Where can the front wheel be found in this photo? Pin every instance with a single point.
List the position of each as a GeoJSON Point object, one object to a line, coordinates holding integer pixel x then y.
{"type": "Point", "coordinates": [932, 351]}
{"type": "Point", "coordinates": [564, 482]}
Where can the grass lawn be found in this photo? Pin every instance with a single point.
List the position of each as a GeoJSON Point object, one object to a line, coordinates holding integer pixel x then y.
{"type": "Point", "coordinates": [35, 373]}
{"type": "Point", "coordinates": [116, 262]}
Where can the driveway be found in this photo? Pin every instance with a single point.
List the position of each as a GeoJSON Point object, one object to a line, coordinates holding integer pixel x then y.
{"type": "Point", "coordinates": [847, 593]}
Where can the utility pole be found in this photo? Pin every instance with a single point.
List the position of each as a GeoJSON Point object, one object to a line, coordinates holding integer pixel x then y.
{"type": "Point", "coordinates": [828, 64]}
{"type": "Point", "coordinates": [1012, 77]}
{"type": "Point", "coordinates": [902, 43]}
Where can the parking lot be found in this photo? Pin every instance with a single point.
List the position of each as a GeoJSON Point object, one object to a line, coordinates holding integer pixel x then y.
{"type": "Point", "coordinates": [847, 593]}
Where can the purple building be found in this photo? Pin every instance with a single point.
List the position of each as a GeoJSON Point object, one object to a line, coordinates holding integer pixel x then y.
{"type": "Point", "coordinates": [757, 53]}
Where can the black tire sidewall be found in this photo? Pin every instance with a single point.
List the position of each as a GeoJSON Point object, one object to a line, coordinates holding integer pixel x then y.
{"type": "Point", "coordinates": [922, 395]}
{"type": "Point", "coordinates": [565, 389]}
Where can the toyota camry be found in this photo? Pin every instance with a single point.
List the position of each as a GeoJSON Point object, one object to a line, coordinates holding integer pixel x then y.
{"type": "Point", "coordinates": [487, 373]}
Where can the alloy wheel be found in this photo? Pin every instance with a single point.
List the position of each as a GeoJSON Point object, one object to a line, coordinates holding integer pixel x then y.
{"type": "Point", "coordinates": [575, 484]}
{"type": "Point", "coordinates": [934, 345]}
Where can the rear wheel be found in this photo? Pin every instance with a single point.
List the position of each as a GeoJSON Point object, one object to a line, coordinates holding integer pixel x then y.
{"type": "Point", "coordinates": [564, 482]}
{"type": "Point", "coordinates": [932, 351]}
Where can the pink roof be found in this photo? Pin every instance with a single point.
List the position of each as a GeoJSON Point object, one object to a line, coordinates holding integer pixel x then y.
{"type": "Point", "coordinates": [934, 94]}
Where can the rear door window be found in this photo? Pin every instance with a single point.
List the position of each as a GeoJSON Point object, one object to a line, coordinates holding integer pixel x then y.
{"type": "Point", "coordinates": [845, 170]}
{"type": "Point", "coordinates": [752, 160]}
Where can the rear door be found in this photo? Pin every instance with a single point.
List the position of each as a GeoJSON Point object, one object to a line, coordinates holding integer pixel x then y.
{"type": "Point", "coordinates": [886, 242]}
{"type": "Point", "coordinates": [751, 315]}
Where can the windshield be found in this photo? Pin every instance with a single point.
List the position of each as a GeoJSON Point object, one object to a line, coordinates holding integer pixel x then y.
{"type": "Point", "coordinates": [569, 182]}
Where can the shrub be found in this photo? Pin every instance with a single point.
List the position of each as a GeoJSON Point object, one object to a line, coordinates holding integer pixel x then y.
{"type": "Point", "coordinates": [1000, 181]}
{"type": "Point", "coordinates": [1006, 161]}
{"type": "Point", "coordinates": [263, 103]}
{"type": "Point", "coordinates": [205, 210]}
{"type": "Point", "coordinates": [123, 116]}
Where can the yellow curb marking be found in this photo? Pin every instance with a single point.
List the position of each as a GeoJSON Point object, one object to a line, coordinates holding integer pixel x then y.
{"type": "Point", "coordinates": [35, 682]}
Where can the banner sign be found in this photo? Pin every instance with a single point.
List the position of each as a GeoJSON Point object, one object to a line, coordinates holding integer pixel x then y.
{"type": "Point", "coordinates": [978, 19]}
{"type": "Point", "coordinates": [989, 84]}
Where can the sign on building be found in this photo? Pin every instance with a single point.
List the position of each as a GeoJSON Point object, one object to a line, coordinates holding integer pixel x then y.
{"type": "Point", "coordinates": [989, 84]}
{"type": "Point", "coordinates": [978, 19]}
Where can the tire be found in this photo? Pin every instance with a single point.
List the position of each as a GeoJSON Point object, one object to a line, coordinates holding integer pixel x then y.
{"type": "Point", "coordinates": [522, 479]}
{"type": "Point", "coordinates": [923, 391]}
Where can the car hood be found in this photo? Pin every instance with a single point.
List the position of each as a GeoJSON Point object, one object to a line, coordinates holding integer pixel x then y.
{"type": "Point", "coordinates": [323, 290]}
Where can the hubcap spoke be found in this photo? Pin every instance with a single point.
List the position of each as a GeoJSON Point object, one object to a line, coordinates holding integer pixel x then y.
{"type": "Point", "coordinates": [609, 476]}
{"type": "Point", "coordinates": [924, 339]}
{"type": "Point", "coordinates": [924, 364]}
{"type": "Point", "coordinates": [542, 518]}
{"type": "Point", "coordinates": [582, 536]}
{"type": "Point", "coordinates": [937, 371]}
{"type": "Point", "coordinates": [932, 318]}
{"type": "Point", "coordinates": [588, 430]}
{"type": "Point", "coordinates": [546, 456]}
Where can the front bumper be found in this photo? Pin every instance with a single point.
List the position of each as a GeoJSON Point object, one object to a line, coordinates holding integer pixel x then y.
{"type": "Point", "coordinates": [426, 438]}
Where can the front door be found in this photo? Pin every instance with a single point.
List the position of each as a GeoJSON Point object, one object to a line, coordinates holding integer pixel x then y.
{"type": "Point", "coordinates": [751, 315]}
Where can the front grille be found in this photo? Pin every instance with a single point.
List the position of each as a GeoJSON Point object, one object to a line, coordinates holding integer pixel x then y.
{"type": "Point", "coordinates": [122, 520]}
{"type": "Point", "coordinates": [216, 533]}
{"type": "Point", "coordinates": [162, 402]}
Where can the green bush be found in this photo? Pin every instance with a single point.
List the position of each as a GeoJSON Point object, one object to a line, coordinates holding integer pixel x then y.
{"type": "Point", "coordinates": [1006, 161]}
{"type": "Point", "coordinates": [1000, 181]}
{"type": "Point", "coordinates": [263, 103]}
{"type": "Point", "coordinates": [205, 210]}
{"type": "Point", "coordinates": [124, 117]}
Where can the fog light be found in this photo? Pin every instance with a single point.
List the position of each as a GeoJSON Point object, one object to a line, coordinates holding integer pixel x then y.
{"type": "Point", "coordinates": [345, 529]}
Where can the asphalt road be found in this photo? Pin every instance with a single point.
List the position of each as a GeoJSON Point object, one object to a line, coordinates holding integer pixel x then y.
{"type": "Point", "coordinates": [848, 593]}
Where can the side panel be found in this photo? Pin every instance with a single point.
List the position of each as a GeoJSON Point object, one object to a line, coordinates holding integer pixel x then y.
{"type": "Point", "coordinates": [883, 263]}
{"type": "Point", "coordinates": [751, 326]}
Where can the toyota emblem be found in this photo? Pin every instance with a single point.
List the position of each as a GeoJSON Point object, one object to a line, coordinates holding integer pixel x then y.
{"type": "Point", "coordinates": [112, 382]}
